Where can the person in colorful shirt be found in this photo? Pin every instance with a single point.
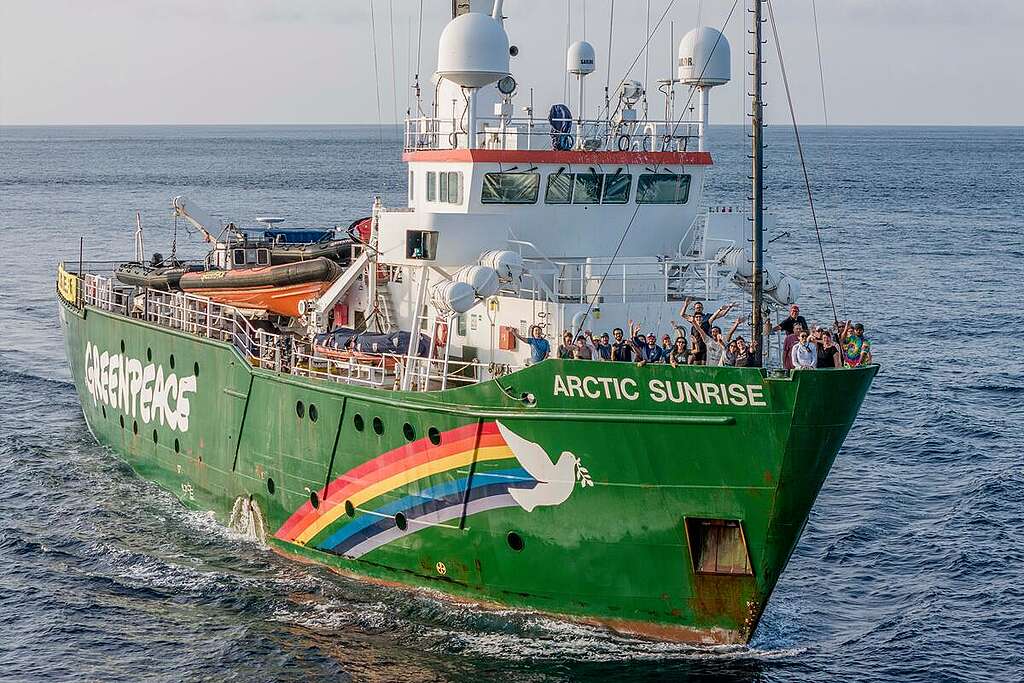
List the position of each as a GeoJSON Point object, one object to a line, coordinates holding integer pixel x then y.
{"type": "Point", "coordinates": [856, 348]}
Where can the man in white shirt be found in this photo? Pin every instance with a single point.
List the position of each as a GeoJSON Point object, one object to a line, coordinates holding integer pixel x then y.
{"type": "Point", "coordinates": [804, 353]}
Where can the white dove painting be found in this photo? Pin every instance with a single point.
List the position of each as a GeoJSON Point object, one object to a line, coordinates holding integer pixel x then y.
{"type": "Point", "coordinates": [555, 480]}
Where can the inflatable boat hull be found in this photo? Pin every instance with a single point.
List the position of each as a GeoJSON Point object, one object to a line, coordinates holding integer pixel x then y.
{"type": "Point", "coordinates": [278, 289]}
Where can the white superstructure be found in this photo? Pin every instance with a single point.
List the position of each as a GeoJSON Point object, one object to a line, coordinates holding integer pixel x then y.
{"type": "Point", "coordinates": [560, 220]}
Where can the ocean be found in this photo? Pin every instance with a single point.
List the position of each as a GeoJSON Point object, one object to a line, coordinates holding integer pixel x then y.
{"type": "Point", "coordinates": [911, 566]}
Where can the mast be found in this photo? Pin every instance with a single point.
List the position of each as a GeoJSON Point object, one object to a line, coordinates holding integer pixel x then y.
{"type": "Point", "coordinates": [757, 196]}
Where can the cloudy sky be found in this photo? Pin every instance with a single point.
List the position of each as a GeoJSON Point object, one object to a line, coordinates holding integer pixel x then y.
{"type": "Point", "coordinates": [311, 61]}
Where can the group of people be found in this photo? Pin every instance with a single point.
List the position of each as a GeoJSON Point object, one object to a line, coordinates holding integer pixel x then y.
{"type": "Point", "coordinates": [815, 346]}
{"type": "Point", "coordinates": [706, 344]}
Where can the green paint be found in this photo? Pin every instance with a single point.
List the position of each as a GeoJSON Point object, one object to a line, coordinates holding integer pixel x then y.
{"type": "Point", "coordinates": [615, 552]}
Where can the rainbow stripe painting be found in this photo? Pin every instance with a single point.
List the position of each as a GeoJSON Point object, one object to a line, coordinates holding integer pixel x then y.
{"type": "Point", "coordinates": [531, 479]}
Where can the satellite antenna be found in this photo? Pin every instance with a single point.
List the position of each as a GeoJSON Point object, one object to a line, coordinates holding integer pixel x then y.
{"type": "Point", "coordinates": [473, 52]}
{"type": "Point", "coordinates": [579, 61]}
{"type": "Point", "coordinates": [704, 62]}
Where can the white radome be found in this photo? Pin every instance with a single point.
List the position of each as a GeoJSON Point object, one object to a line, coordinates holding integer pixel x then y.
{"type": "Point", "coordinates": [704, 58]}
{"type": "Point", "coordinates": [473, 51]}
{"type": "Point", "coordinates": [580, 59]}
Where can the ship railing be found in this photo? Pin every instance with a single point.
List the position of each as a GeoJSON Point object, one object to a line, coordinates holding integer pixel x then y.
{"type": "Point", "coordinates": [625, 280]}
{"type": "Point", "coordinates": [203, 317]}
{"type": "Point", "coordinates": [523, 133]}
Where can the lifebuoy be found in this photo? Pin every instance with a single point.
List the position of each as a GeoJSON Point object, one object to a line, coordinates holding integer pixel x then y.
{"type": "Point", "coordinates": [440, 334]}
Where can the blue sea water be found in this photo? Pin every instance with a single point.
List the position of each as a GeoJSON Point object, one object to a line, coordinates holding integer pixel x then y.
{"type": "Point", "coordinates": [911, 567]}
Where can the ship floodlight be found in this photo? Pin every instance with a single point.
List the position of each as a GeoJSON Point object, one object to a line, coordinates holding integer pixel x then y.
{"type": "Point", "coordinates": [507, 85]}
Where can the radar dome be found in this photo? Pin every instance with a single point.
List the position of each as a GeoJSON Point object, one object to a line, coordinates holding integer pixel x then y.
{"type": "Point", "coordinates": [704, 58]}
{"type": "Point", "coordinates": [473, 51]}
{"type": "Point", "coordinates": [580, 58]}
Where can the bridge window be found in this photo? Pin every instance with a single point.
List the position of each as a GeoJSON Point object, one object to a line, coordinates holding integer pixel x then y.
{"type": "Point", "coordinates": [559, 188]}
{"type": "Point", "coordinates": [663, 188]}
{"type": "Point", "coordinates": [616, 188]}
{"type": "Point", "coordinates": [587, 188]}
{"type": "Point", "coordinates": [444, 186]}
{"type": "Point", "coordinates": [718, 546]}
{"type": "Point", "coordinates": [510, 188]}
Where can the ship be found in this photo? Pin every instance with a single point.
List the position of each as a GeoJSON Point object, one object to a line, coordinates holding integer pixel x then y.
{"type": "Point", "coordinates": [379, 412]}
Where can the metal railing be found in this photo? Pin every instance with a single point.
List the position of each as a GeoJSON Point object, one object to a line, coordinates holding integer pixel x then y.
{"type": "Point", "coordinates": [202, 317]}
{"type": "Point", "coordinates": [516, 133]}
{"type": "Point", "coordinates": [626, 281]}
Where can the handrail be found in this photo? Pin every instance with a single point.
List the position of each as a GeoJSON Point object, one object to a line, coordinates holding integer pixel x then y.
{"type": "Point", "coordinates": [203, 317]}
{"type": "Point", "coordinates": [509, 133]}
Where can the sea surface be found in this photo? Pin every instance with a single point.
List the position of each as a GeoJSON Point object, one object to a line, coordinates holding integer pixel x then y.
{"type": "Point", "coordinates": [911, 567]}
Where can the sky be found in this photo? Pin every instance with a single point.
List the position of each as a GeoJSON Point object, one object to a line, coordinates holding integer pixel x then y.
{"type": "Point", "coordinates": [885, 62]}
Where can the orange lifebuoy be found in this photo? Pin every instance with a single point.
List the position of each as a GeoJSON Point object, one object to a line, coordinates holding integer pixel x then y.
{"type": "Point", "coordinates": [440, 334]}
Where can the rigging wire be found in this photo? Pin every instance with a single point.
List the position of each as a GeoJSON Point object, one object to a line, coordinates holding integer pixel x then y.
{"type": "Point", "coordinates": [800, 152]}
{"type": "Point", "coordinates": [419, 54]}
{"type": "Point", "coordinates": [376, 77]}
{"type": "Point", "coordinates": [828, 145]}
{"type": "Point", "coordinates": [675, 128]}
{"type": "Point", "coordinates": [642, 53]}
{"type": "Point", "coordinates": [608, 72]}
{"type": "Point", "coordinates": [568, 34]}
{"type": "Point", "coordinates": [394, 68]}
{"type": "Point", "coordinates": [647, 56]}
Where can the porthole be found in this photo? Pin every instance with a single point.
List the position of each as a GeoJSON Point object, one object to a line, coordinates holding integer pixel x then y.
{"type": "Point", "coordinates": [350, 510]}
{"type": "Point", "coordinates": [378, 426]}
{"type": "Point", "coordinates": [172, 361]}
{"type": "Point", "coordinates": [401, 522]}
{"type": "Point", "coordinates": [270, 486]}
{"type": "Point", "coordinates": [300, 409]}
{"type": "Point", "coordinates": [195, 368]}
{"type": "Point", "coordinates": [156, 437]}
{"type": "Point", "coordinates": [135, 427]}
{"type": "Point", "coordinates": [314, 500]}
{"type": "Point", "coordinates": [357, 422]}
{"type": "Point", "coordinates": [515, 541]}
{"type": "Point", "coordinates": [177, 446]}
{"type": "Point", "coordinates": [434, 435]}
{"type": "Point", "coordinates": [149, 354]}
{"type": "Point", "coordinates": [122, 346]}
{"type": "Point", "coordinates": [410, 433]}
{"type": "Point", "coordinates": [121, 420]}
{"type": "Point", "coordinates": [313, 413]}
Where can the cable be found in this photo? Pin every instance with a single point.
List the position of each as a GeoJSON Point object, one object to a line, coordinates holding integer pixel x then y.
{"type": "Point", "coordinates": [828, 144]}
{"type": "Point", "coordinates": [376, 77]}
{"type": "Point", "coordinates": [636, 210]}
{"type": "Point", "coordinates": [394, 68]}
{"type": "Point", "coordinates": [800, 151]}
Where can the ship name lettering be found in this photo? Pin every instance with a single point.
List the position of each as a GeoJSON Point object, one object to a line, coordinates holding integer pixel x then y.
{"type": "Point", "coordinates": [138, 390]}
{"type": "Point", "coordinates": [660, 391]}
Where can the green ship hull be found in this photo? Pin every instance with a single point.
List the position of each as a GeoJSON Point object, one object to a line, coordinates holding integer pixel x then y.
{"type": "Point", "coordinates": [657, 501]}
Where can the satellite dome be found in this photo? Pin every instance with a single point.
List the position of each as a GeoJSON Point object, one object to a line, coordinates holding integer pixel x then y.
{"type": "Point", "coordinates": [580, 58]}
{"type": "Point", "coordinates": [704, 58]}
{"type": "Point", "coordinates": [473, 51]}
